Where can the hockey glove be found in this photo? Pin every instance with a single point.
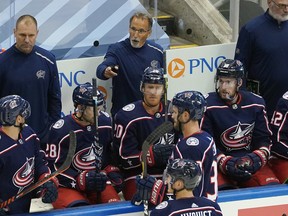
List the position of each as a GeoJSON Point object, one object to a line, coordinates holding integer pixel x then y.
{"type": "Point", "coordinates": [49, 190]}
{"type": "Point", "coordinates": [91, 181]}
{"type": "Point", "coordinates": [253, 162]}
{"type": "Point", "coordinates": [115, 177]}
{"type": "Point", "coordinates": [228, 166]}
{"type": "Point", "coordinates": [150, 189]}
{"type": "Point", "coordinates": [159, 155]}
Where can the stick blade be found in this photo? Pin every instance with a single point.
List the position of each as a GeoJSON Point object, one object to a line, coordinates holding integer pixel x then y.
{"type": "Point", "coordinates": [154, 136]}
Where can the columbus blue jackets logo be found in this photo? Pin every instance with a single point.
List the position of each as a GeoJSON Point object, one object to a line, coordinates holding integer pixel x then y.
{"type": "Point", "coordinates": [129, 107]}
{"type": "Point", "coordinates": [40, 74]}
{"type": "Point", "coordinates": [85, 159]}
{"type": "Point", "coordinates": [25, 175]}
{"type": "Point", "coordinates": [237, 137]}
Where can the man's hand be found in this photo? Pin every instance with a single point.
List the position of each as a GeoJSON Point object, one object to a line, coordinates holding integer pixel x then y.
{"type": "Point", "coordinates": [111, 71]}
{"type": "Point", "coordinates": [228, 166]}
{"type": "Point", "coordinates": [115, 177]}
{"type": "Point", "coordinates": [253, 161]}
{"type": "Point", "coordinates": [150, 189]}
{"type": "Point", "coordinates": [159, 154]}
{"type": "Point", "coordinates": [91, 181]}
{"type": "Point", "coordinates": [49, 190]}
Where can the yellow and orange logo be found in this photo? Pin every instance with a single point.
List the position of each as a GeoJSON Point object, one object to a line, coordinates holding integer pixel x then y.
{"type": "Point", "coordinates": [176, 68]}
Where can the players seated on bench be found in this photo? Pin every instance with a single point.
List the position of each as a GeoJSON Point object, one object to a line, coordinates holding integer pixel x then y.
{"type": "Point", "coordinates": [89, 178]}
{"type": "Point", "coordinates": [21, 160]}
{"type": "Point", "coordinates": [238, 122]}
{"type": "Point", "coordinates": [134, 122]}
{"type": "Point", "coordinates": [279, 150]}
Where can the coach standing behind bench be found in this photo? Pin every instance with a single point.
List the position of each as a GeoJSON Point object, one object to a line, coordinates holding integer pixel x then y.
{"type": "Point", "coordinates": [131, 56]}
{"type": "Point", "coordinates": [31, 72]}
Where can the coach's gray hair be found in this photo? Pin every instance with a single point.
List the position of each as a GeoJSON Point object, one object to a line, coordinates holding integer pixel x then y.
{"type": "Point", "coordinates": [143, 16]}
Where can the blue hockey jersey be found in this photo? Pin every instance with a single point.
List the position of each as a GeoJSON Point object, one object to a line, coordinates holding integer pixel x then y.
{"type": "Point", "coordinates": [132, 126]}
{"type": "Point", "coordinates": [198, 206]}
{"type": "Point", "coordinates": [279, 126]}
{"type": "Point", "coordinates": [201, 148]}
{"type": "Point", "coordinates": [89, 154]}
{"type": "Point", "coordinates": [21, 164]}
{"type": "Point", "coordinates": [239, 128]}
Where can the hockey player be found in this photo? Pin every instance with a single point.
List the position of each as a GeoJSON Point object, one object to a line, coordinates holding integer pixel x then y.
{"type": "Point", "coordinates": [279, 149]}
{"type": "Point", "coordinates": [86, 178]}
{"type": "Point", "coordinates": [188, 108]}
{"type": "Point", "coordinates": [134, 122]}
{"type": "Point", "coordinates": [182, 176]}
{"type": "Point", "coordinates": [238, 122]}
{"type": "Point", "coordinates": [21, 161]}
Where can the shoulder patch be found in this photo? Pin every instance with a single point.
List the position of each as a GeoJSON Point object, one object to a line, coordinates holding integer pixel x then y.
{"type": "Point", "coordinates": [105, 113]}
{"type": "Point", "coordinates": [162, 205]}
{"type": "Point", "coordinates": [129, 107]}
{"type": "Point", "coordinates": [285, 96]}
{"type": "Point", "coordinates": [58, 124]}
{"type": "Point", "coordinates": [192, 141]}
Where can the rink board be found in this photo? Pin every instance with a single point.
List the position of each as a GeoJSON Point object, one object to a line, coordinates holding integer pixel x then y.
{"type": "Point", "coordinates": [264, 201]}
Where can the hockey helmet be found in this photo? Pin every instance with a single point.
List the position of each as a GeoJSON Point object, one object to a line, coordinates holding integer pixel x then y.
{"type": "Point", "coordinates": [153, 75]}
{"type": "Point", "coordinates": [192, 101]}
{"type": "Point", "coordinates": [83, 95]}
{"type": "Point", "coordinates": [11, 106]}
{"type": "Point", "coordinates": [184, 169]}
{"type": "Point", "coordinates": [230, 68]}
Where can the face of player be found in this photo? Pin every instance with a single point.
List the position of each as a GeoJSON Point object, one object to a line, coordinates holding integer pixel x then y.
{"type": "Point", "coordinates": [139, 31]}
{"type": "Point", "coordinates": [175, 116]}
{"type": "Point", "coordinates": [88, 114]}
{"type": "Point", "coordinates": [152, 93]}
{"type": "Point", "coordinates": [25, 34]}
{"type": "Point", "coordinates": [227, 88]}
{"type": "Point", "coordinates": [278, 9]}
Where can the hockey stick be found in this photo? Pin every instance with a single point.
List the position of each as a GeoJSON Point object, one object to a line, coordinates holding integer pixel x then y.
{"type": "Point", "coordinates": [165, 94]}
{"type": "Point", "coordinates": [62, 168]}
{"type": "Point", "coordinates": [153, 137]}
{"type": "Point", "coordinates": [95, 110]}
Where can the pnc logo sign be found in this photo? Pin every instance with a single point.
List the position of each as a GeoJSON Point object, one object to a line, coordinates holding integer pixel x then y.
{"type": "Point", "coordinates": [176, 68]}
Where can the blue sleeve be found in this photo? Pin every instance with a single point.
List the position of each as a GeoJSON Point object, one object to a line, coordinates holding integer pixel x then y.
{"type": "Point", "coordinates": [54, 96]}
{"type": "Point", "coordinates": [110, 59]}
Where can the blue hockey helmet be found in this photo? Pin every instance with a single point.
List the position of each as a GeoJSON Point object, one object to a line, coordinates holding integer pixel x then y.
{"type": "Point", "coordinates": [83, 95]}
{"type": "Point", "coordinates": [230, 68]}
{"type": "Point", "coordinates": [184, 169]}
{"type": "Point", "coordinates": [153, 75]}
{"type": "Point", "coordinates": [11, 106]}
{"type": "Point", "coordinates": [192, 101]}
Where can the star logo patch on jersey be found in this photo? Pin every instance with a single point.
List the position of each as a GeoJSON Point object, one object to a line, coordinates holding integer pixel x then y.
{"type": "Point", "coordinates": [192, 141]}
{"type": "Point", "coordinates": [162, 205]}
{"type": "Point", "coordinates": [238, 136]}
{"type": "Point", "coordinates": [25, 175]}
{"type": "Point", "coordinates": [129, 107]}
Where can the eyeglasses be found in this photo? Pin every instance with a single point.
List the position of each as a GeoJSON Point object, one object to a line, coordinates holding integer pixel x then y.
{"type": "Point", "coordinates": [140, 31]}
{"type": "Point", "coordinates": [280, 6]}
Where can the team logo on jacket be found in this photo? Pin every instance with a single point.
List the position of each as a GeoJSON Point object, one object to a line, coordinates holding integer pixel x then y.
{"type": "Point", "coordinates": [58, 124]}
{"type": "Point", "coordinates": [40, 74]}
{"type": "Point", "coordinates": [129, 107]}
{"type": "Point", "coordinates": [237, 137]}
{"type": "Point", "coordinates": [192, 141]}
{"type": "Point", "coordinates": [25, 175]}
{"type": "Point", "coordinates": [162, 205]}
{"type": "Point", "coordinates": [85, 159]}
